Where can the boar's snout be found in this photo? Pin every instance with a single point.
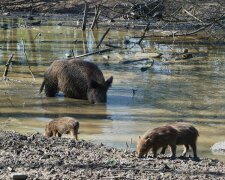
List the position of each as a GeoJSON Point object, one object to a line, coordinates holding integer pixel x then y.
{"type": "Point", "coordinates": [97, 93]}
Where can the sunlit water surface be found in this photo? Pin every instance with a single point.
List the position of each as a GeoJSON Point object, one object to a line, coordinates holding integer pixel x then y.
{"type": "Point", "coordinates": [179, 91]}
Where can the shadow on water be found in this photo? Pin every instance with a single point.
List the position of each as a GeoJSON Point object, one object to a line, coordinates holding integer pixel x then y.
{"type": "Point", "coordinates": [168, 92]}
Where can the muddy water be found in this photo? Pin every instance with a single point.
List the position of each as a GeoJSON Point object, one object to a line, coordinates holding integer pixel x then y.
{"type": "Point", "coordinates": [170, 91]}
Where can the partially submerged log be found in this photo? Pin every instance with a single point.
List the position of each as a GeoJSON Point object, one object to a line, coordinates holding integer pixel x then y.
{"type": "Point", "coordinates": [133, 61]}
{"type": "Point", "coordinates": [148, 55]}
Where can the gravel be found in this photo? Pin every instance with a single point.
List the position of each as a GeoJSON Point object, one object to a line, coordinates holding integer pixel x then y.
{"type": "Point", "coordinates": [38, 157]}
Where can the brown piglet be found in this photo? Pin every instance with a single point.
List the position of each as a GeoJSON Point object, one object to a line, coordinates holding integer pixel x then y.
{"type": "Point", "coordinates": [187, 136]}
{"type": "Point", "coordinates": [63, 125]}
{"type": "Point", "coordinates": [154, 139]}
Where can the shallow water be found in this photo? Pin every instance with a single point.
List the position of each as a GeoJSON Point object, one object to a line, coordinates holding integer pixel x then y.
{"type": "Point", "coordinates": [170, 91]}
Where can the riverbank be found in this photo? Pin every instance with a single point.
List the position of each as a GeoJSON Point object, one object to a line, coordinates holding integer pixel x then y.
{"type": "Point", "coordinates": [59, 158]}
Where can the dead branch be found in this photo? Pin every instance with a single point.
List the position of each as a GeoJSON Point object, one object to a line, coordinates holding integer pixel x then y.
{"type": "Point", "coordinates": [85, 16]}
{"type": "Point", "coordinates": [103, 38]}
{"type": "Point", "coordinates": [7, 66]}
{"type": "Point", "coordinates": [192, 15]}
{"type": "Point", "coordinates": [97, 14]}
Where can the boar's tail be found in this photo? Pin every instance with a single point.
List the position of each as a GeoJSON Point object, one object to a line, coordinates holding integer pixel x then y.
{"type": "Point", "coordinates": [42, 87]}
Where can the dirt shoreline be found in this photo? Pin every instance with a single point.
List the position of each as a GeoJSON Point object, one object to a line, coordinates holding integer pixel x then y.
{"type": "Point", "coordinates": [61, 158]}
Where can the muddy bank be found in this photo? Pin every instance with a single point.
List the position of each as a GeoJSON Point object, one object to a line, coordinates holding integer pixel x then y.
{"type": "Point", "coordinates": [42, 158]}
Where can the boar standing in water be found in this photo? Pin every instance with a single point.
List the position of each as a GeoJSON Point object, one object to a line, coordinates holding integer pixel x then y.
{"type": "Point", "coordinates": [157, 138]}
{"type": "Point", "coordinates": [187, 135]}
{"type": "Point", "coordinates": [64, 125]}
{"type": "Point", "coordinates": [76, 79]}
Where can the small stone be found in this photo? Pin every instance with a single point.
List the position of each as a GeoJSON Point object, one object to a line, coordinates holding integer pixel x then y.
{"type": "Point", "coordinates": [10, 169]}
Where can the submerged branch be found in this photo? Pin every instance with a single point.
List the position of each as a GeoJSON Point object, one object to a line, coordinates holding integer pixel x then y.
{"type": "Point", "coordinates": [24, 51]}
{"type": "Point", "coordinates": [102, 38]}
{"type": "Point", "coordinates": [142, 37]}
{"type": "Point", "coordinates": [94, 52]}
{"type": "Point", "coordinates": [7, 66]}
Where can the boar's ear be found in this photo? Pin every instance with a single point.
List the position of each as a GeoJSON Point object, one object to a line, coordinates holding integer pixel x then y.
{"type": "Point", "coordinates": [93, 84]}
{"type": "Point", "coordinates": [109, 81]}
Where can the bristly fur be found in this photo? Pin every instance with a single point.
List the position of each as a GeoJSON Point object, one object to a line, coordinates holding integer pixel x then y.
{"type": "Point", "coordinates": [76, 79]}
{"type": "Point", "coordinates": [156, 138]}
{"type": "Point", "coordinates": [63, 125]}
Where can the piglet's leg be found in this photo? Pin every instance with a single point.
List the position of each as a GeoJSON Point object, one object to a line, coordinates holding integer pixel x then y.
{"type": "Point", "coordinates": [59, 134]}
{"type": "Point", "coordinates": [154, 151]}
{"type": "Point", "coordinates": [193, 146]}
{"type": "Point", "coordinates": [74, 134]}
{"type": "Point", "coordinates": [54, 133]}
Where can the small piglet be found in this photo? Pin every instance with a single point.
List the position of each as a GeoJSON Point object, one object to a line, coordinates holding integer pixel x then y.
{"type": "Point", "coordinates": [154, 139]}
{"type": "Point", "coordinates": [187, 135]}
{"type": "Point", "coordinates": [64, 125]}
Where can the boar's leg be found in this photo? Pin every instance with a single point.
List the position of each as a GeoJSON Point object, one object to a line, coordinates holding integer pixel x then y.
{"type": "Point", "coordinates": [186, 148]}
{"type": "Point", "coordinates": [51, 89]}
{"type": "Point", "coordinates": [173, 150]}
{"type": "Point", "coordinates": [193, 146]}
{"type": "Point", "coordinates": [163, 150]}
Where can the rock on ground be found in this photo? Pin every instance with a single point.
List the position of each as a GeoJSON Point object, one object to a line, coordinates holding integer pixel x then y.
{"type": "Point", "coordinates": [219, 148]}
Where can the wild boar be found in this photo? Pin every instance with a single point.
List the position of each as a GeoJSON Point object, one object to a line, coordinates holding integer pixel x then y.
{"type": "Point", "coordinates": [76, 79]}
{"type": "Point", "coordinates": [63, 125]}
{"type": "Point", "coordinates": [156, 138]}
{"type": "Point", "coordinates": [187, 135]}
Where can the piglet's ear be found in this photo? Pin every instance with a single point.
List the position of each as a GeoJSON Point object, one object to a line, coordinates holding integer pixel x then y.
{"type": "Point", "coordinates": [109, 81]}
{"type": "Point", "coordinates": [93, 84]}
{"type": "Point", "coordinates": [148, 140]}
{"type": "Point", "coordinates": [139, 137]}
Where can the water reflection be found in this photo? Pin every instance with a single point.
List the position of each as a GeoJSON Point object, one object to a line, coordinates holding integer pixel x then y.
{"type": "Point", "coordinates": [171, 91]}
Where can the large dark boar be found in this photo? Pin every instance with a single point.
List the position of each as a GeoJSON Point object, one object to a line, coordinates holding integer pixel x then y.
{"type": "Point", "coordinates": [187, 135]}
{"type": "Point", "coordinates": [156, 138]}
{"type": "Point", "coordinates": [64, 125]}
{"type": "Point", "coordinates": [76, 79]}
